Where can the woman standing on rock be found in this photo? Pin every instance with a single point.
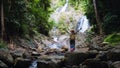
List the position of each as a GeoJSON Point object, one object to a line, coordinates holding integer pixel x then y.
{"type": "Point", "coordinates": [72, 41]}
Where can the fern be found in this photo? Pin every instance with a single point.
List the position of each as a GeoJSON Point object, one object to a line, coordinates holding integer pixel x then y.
{"type": "Point", "coordinates": [113, 39]}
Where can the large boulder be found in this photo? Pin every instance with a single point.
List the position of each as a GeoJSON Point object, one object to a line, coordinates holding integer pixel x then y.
{"type": "Point", "coordinates": [114, 54]}
{"type": "Point", "coordinates": [102, 55]}
{"type": "Point", "coordinates": [75, 58]}
{"type": "Point", "coordinates": [115, 64]}
{"type": "Point", "coordinates": [3, 65]}
{"type": "Point", "coordinates": [92, 53]}
{"type": "Point", "coordinates": [50, 62]}
{"type": "Point", "coordinates": [22, 63]}
{"type": "Point", "coordinates": [6, 57]}
{"type": "Point", "coordinates": [95, 63]}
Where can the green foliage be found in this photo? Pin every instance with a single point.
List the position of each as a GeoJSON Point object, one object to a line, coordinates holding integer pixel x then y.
{"type": "Point", "coordinates": [39, 9]}
{"type": "Point", "coordinates": [2, 44]}
{"type": "Point", "coordinates": [113, 39]}
{"type": "Point", "coordinates": [90, 35]}
{"type": "Point", "coordinates": [62, 27]}
{"type": "Point", "coordinates": [79, 4]}
{"type": "Point", "coordinates": [109, 15]}
{"type": "Point", "coordinates": [110, 23]}
{"type": "Point", "coordinates": [25, 17]}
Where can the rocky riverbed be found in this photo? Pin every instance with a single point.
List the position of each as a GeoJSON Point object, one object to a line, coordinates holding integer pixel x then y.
{"type": "Point", "coordinates": [109, 58]}
{"type": "Point", "coordinates": [36, 54]}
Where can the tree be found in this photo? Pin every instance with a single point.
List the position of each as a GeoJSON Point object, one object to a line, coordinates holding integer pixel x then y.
{"type": "Point", "coordinates": [99, 23]}
{"type": "Point", "coordinates": [2, 21]}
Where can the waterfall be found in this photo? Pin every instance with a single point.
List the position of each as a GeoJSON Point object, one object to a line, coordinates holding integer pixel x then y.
{"type": "Point", "coordinates": [58, 11]}
{"type": "Point", "coordinates": [82, 27]}
{"type": "Point", "coordinates": [64, 7]}
{"type": "Point", "coordinates": [82, 24]}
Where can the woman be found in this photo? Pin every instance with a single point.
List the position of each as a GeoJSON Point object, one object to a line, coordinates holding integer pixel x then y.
{"type": "Point", "coordinates": [72, 41]}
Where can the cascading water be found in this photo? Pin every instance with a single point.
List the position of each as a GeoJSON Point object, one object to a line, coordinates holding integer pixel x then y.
{"type": "Point", "coordinates": [33, 64]}
{"type": "Point", "coordinates": [64, 7]}
{"type": "Point", "coordinates": [83, 24]}
{"type": "Point", "coordinates": [82, 27]}
{"type": "Point", "coordinates": [58, 11]}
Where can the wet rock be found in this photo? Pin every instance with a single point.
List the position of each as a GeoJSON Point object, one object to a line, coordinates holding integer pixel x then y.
{"type": "Point", "coordinates": [3, 65]}
{"type": "Point", "coordinates": [75, 58]}
{"type": "Point", "coordinates": [95, 63]}
{"type": "Point", "coordinates": [116, 64]}
{"type": "Point", "coordinates": [6, 57]}
{"type": "Point", "coordinates": [18, 52]}
{"type": "Point", "coordinates": [22, 63]}
{"type": "Point", "coordinates": [114, 54]}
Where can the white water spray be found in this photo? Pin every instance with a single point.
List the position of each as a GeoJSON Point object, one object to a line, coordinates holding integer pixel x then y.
{"type": "Point", "coordinates": [34, 64]}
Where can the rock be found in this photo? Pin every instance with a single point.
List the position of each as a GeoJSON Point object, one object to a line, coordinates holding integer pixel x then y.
{"type": "Point", "coordinates": [18, 52]}
{"type": "Point", "coordinates": [117, 46]}
{"type": "Point", "coordinates": [116, 64]}
{"type": "Point", "coordinates": [3, 65]}
{"type": "Point", "coordinates": [22, 63]}
{"type": "Point", "coordinates": [43, 64]}
{"type": "Point", "coordinates": [74, 66]}
{"type": "Point", "coordinates": [92, 53]}
{"type": "Point", "coordinates": [50, 61]}
{"type": "Point", "coordinates": [35, 53]}
{"type": "Point", "coordinates": [6, 57]}
{"type": "Point", "coordinates": [114, 54]}
{"type": "Point", "coordinates": [75, 58]}
{"type": "Point", "coordinates": [39, 49]}
{"type": "Point", "coordinates": [26, 55]}
{"type": "Point", "coordinates": [95, 47]}
{"type": "Point", "coordinates": [95, 63]}
{"type": "Point", "coordinates": [102, 55]}
{"type": "Point", "coordinates": [82, 66]}
{"type": "Point", "coordinates": [49, 64]}
{"type": "Point", "coordinates": [106, 47]}
{"type": "Point", "coordinates": [46, 42]}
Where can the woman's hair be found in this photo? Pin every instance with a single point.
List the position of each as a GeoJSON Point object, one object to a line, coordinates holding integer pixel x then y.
{"type": "Point", "coordinates": [72, 31]}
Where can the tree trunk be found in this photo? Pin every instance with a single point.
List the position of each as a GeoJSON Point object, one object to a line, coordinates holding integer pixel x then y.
{"type": "Point", "coordinates": [2, 21]}
{"type": "Point", "coordinates": [99, 23]}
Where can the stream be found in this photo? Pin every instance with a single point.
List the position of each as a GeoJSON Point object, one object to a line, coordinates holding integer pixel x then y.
{"type": "Point", "coordinates": [33, 64]}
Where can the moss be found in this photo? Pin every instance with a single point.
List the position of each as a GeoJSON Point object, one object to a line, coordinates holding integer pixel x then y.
{"type": "Point", "coordinates": [113, 39]}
